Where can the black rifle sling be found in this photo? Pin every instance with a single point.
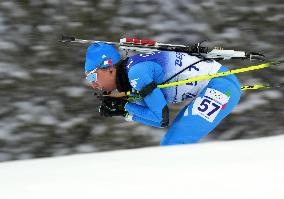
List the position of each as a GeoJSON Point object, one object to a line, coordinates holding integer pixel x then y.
{"type": "Point", "coordinates": [204, 59]}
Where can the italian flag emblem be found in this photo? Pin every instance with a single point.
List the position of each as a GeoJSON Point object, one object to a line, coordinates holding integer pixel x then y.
{"type": "Point", "coordinates": [107, 62]}
{"type": "Point", "coordinates": [228, 93]}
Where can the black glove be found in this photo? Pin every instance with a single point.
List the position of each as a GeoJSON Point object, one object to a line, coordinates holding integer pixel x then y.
{"type": "Point", "coordinates": [112, 106]}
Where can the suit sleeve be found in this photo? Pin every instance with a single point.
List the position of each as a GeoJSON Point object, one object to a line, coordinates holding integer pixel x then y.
{"type": "Point", "coordinates": [155, 112]}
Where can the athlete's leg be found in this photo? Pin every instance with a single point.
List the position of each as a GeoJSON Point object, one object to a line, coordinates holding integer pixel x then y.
{"type": "Point", "coordinates": [202, 115]}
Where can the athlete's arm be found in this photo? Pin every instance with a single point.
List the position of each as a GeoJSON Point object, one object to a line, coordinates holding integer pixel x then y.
{"type": "Point", "coordinates": [142, 78]}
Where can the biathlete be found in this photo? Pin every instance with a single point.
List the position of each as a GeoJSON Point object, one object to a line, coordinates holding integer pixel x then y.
{"type": "Point", "coordinates": [209, 101]}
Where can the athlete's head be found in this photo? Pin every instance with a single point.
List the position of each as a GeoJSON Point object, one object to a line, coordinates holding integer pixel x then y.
{"type": "Point", "coordinates": [100, 67]}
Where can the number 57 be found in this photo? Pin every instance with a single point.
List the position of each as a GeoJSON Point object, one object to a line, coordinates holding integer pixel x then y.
{"type": "Point", "coordinates": [208, 107]}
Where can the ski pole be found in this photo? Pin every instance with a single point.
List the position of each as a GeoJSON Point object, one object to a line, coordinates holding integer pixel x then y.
{"type": "Point", "coordinates": [259, 86]}
{"type": "Point", "coordinates": [221, 74]}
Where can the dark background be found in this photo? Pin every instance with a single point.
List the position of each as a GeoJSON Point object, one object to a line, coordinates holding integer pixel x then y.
{"type": "Point", "coordinates": [47, 109]}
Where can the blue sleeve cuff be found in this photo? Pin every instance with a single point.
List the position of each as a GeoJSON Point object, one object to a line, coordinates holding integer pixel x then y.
{"type": "Point", "coordinates": [141, 112]}
{"type": "Point", "coordinates": [147, 122]}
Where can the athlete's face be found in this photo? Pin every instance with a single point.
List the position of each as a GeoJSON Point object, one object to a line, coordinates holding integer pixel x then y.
{"type": "Point", "coordinates": [105, 79]}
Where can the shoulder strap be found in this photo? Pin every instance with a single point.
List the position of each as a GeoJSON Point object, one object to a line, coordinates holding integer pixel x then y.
{"type": "Point", "coordinates": [203, 59]}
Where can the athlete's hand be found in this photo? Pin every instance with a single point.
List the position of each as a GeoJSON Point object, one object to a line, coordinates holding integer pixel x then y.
{"type": "Point", "coordinates": [112, 106]}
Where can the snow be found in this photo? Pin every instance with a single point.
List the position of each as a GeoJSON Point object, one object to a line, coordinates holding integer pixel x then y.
{"type": "Point", "coordinates": [232, 169]}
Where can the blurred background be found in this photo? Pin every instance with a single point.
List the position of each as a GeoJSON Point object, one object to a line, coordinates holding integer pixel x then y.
{"type": "Point", "coordinates": [47, 109]}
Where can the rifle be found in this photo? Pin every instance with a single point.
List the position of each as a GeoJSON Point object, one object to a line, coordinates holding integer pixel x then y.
{"type": "Point", "coordinates": [147, 46]}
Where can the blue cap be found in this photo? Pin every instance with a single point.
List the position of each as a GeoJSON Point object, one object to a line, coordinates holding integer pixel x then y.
{"type": "Point", "coordinates": [100, 55]}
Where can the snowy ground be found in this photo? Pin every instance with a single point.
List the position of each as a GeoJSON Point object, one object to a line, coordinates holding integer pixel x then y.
{"type": "Point", "coordinates": [232, 169]}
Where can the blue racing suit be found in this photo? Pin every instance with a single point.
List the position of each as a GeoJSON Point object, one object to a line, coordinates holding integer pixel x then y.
{"type": "Point", "coordinates": [209, 101]}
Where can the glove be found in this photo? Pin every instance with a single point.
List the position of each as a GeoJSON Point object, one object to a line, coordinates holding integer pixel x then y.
{"type": "Point", "coordinates": [112, 106]}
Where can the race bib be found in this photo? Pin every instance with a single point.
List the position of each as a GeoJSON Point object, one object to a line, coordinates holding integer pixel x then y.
{"type": "Point", "coordinates": [210, 104]}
